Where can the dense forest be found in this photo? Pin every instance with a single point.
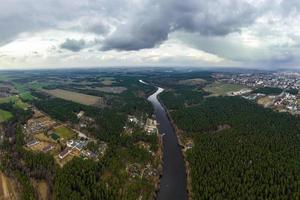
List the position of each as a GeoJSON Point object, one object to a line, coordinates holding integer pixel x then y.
{"type": "Point", "coordinates": [241, 150]}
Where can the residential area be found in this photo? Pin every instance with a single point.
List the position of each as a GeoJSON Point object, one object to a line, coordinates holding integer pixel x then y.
{"type": "Point", "coordinates": [279, 90]}
{"type": "Point", "coordinates": [46, 135]}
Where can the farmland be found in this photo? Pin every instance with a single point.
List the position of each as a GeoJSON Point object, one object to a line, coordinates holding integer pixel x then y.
{"type": "Point", "coordinates": [76, 97]}
{"type": "Point", "coordinates": [114, 90]}
{"type": "Point", "coordinates": [220, 89]}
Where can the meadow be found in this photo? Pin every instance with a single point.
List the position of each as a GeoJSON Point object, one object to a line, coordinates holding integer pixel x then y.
{"type": "Point", "coordinates": [76, 97]}
{"type": "Point", "coordinates": [221, 89]}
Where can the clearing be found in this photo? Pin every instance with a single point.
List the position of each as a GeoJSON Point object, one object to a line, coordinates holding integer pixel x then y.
{"type": "Point", "coordinates": [65, 133]}
{"type": "Point", "coordinates": [76, 97]}
{"type": "Point", "coordinates": [222, 89]}
{"type": "Point", "coordinates": [7, 188]}
{"type": "Point", "coordinates": [191, 82]}
{"type": "Point", "coordinates": [265, 101]}
{"type": "Point", "coordinates": [114, 90]}
{"type": "Point", "coordinates": [5, 115]}
{"type": "Point", "coordinates": [108, 81]}
{"type": "Point", "coordinates": [15, 100]}
{"type": "Point", "coordinates": [42, 189]}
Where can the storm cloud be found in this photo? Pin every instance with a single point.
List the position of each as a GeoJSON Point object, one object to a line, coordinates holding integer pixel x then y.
{"type": "Point", "coordinates": [152, 25]}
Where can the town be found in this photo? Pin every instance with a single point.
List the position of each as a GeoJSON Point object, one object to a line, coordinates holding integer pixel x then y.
{"type": "Point", "coordinates": [278, 90]}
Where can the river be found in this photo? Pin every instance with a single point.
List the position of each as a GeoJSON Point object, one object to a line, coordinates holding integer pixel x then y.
{"type": "Point", "coordinates": [173, 183]}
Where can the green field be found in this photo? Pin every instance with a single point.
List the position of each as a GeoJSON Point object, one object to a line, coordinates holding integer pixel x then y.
{"type": "Point", "coordinates": [65, 133]}
{"type": "Point", "coordinates": [8, 99]}
{"type": "Point", "coordinates": [4, 115]}
{"type": "Point", "coordinates": [15, 100]}
{"type": "Point", "coordinates": [221, 89]}
{"type": "Point", "coordinates": [26, 96]}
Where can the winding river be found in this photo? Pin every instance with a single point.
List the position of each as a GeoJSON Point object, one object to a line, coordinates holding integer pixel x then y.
{"type": "Point", "coordinates": [173, 183]}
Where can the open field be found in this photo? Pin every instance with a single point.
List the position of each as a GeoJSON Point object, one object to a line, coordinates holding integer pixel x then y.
{"type": "Point", "coordinates": [42, 189]}
{"type": "Point", "coordinates": [26, 96]}
{"type": "Point", "coordinates": [20, 104]}
{"type": "Point", "coordinates": [65, 133]}
{"type": "Point", "coordinates": [75, 97]}
{"type": "Point", "coordinates": [265, 101]}
{"type": "Point", "coordinates": [8, 99]}
{"type": "Point", "coordinates": [218, 88]}
{"type": "Point", "coordinates": [7, 188]}
{"type": "Point", "coordinates": [114, 90]}
{"type": "Point", "coordinates": [43, 137]}
{"type": "Point", "coordinates": [195, 81]}
{"type": "Point", "coordinates": [39, 147]}
{"type": "Point", "coordinates": [4, 115]}
{"type": "Point", "coordinates": [14, 99]}
{"type": "Point", "coordinates": [108, 81]}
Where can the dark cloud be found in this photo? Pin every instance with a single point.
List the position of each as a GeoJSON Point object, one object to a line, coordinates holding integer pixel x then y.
{"type": "Point", "coordinates": [157, 19]}
{"type": "Point", "coordinates": [73, 45]}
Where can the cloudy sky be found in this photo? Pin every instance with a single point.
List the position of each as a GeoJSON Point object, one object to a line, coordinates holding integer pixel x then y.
{"type": "Point", "coordinates": [79, 33]}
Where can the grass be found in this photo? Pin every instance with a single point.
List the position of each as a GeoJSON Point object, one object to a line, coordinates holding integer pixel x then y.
{"type": "Point", "coordinates": [26, 96]}
{"type": "Point", "coordinates": [21, 88]}
{"type": "Point", "coordinates": [192, 82]}
{"type": "Point", "coordinates": [76, 97]}
{"type": "Point", "coordinates": [37, 85]}
{"type": "Point", "coordinates": [20, 104]}
{"type": "Point", "coordinates": [218, 89]}
{"type": "Point", "coordinates": [65, 133]}
{"type": "Point", "coordinates": [8, 99]}
{"type": "Point", "coordinates": [43, 137]}
{"type": "Point", "coordinates": [5, 115]}
{"type": "Point", "coordinates": [15, 100]}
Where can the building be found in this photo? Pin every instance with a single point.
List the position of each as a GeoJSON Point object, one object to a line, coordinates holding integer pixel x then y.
{"type": "Point", "coordinates": [32, 143]}
{"type": "Point", "coordinates": [80, 114]}
{"type": "Point", "coordinates": [48, 148]}
{"type": "Point", "coordinates": [77, 144]}
{"type": "Point", "coordinates": [151, 126]}
{"type": "Point", "coordinates": [64, 153]}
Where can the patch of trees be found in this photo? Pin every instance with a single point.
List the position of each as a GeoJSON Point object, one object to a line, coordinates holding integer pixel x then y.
{"type": "Point", "coordinates": [81, 179]}
{"type": "Point", "coordinates": [19, 115]}
{"type": "Point", "coordinates": [268, 90]}
{"type": "Point", "coordinates": [59, 109]}
{"type": "Point", "coordinates": [182, 97]}
{"type": "Point", "coordinates": [292, 91]}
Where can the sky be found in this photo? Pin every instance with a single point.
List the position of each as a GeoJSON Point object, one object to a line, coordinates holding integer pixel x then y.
{"type": "Point", "coordinates": [102, 33]}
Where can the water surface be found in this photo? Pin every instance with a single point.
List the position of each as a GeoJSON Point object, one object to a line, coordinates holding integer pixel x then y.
{"type": "Point", "coordinates": [173, 183]}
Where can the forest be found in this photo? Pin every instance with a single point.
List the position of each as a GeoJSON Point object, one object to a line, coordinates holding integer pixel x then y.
{"type": "Point", "coordinates": [241, 150]}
